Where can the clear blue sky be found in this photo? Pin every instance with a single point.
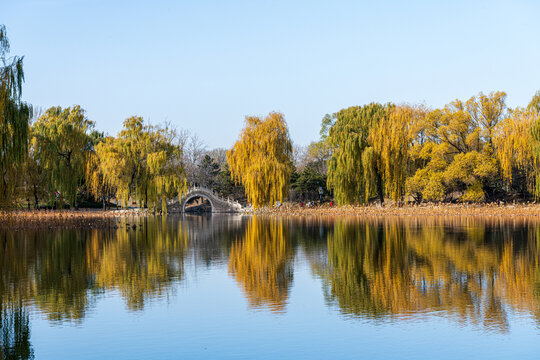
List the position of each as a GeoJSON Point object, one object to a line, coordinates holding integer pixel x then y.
{"type": "Point", "coordinates": [204, 65]}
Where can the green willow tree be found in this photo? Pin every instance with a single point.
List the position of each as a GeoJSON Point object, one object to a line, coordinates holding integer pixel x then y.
{"type": "Point", "coordinates": [353, 171]}
{"type": "Point", "coordinates": [262, 159]}
{"type": "Point", "coordinates": [14, 117]}
{"type": "Point", "coordinates": [36, 183]}
{"type": "Point", "coordinates": [61, 139]}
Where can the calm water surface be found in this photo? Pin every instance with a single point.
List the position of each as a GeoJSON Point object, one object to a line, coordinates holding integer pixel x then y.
{"type": "Point", "coordinates": [231, 287]}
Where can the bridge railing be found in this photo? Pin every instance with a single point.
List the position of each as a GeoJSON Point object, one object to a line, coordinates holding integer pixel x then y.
{"type": "Point", "coordinates": [214, 194]}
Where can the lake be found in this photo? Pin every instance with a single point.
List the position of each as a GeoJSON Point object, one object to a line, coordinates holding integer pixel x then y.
{"type": "Point", "coordinates": [243, 287]}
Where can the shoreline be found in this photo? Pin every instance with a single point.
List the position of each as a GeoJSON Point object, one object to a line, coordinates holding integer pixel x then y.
{"type": "Point", "coordinates": [65, 219]}
{"type": "Point", "coordinates": [107, 219]}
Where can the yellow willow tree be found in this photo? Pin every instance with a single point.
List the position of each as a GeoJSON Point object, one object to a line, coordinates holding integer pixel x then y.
{"type": "Point", "coordinates": [261, 159]}
{"type": "Point", "coordinates": [109, 166]}
{"type": "Point", "coordinates": [535, 132]}
{"type": "Point", "coordinates": [96, 182]}
{"type": "Point", "coordinates": [391, 139]}
{"type": "Point", "coordinates": [514, 145]}
{"type": "Point", "coordinates": [165, 169]}
{"type": "Point", "coordinates": [144, 162]}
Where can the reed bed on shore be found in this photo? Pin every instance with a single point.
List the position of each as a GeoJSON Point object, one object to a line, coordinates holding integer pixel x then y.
{"type": "Point", "coordinates": [63, 219]}
{"type": "Point", "coordinates": [92, 219]}
{"type": "Point", "coordinates": [483, 210]}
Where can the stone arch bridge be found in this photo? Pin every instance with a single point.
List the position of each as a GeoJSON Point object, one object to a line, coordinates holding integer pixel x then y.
{"type": "Point", "coordinates": [218, 204]}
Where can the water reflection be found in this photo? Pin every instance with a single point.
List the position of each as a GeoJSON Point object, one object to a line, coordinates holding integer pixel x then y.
{"type": "Point", "coordinates": [141, 260]}
{"type": "Point", "coordinates": [15, 333]}
{"type": "Point", "coordinates": [261, 262]}
{"type": "Point", "coordinates": [476, 272]}
{"type": "Point", "coordinates": [470, 271]}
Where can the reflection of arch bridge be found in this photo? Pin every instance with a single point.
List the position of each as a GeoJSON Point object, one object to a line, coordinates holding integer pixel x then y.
{"type": "Point", "coordinates": [218, 204]}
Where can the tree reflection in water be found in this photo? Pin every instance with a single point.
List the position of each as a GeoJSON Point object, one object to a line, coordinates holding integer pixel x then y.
{"type": "Point", "coordinates": [14, 333]}
{"type": "Point", "coordinates": [474, 271]}
{"type": "Point", "coordinates": [261, 263]}
{"type": "Point", "coordinates": [469, 270]}
{"type": "Point", "coordinates": [142, 263]}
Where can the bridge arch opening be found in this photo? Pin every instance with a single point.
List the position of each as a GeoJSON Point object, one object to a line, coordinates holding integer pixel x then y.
{"type": "Point", "coordinates": [198, 204]}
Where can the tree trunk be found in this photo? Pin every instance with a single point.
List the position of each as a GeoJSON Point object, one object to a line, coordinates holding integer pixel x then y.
{"type": "Point", "coordinates": [36, 197]}
{"type": "Point", "coordinates": [380, 187]}
{"type": "Point", "coordinates": [146, 197]}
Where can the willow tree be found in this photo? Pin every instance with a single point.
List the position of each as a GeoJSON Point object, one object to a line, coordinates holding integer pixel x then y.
{"type": "Point", "coordinates": [144, 162]}
{"type": "Point", "coordinates": [121, 159]}
{"type": "Point", "coordinates": [352, 168]}
{"type": "Point", "coordinates": [391, 140]}
{"type": "Point", "coordinates": [36, 181]}
{"type": "Point", "coordinates": [261, 159]}
{"type": "Point", "coordinates": [514, 147]}
{"type": "Point", "coordinates": [96, 183]}
{"type": "Point", "coordinates": [62, 137]}
{"type": "Point", "coordinates": [534, 104]}
{"type": "Point", "coordinates": [535, 133]}
{"type": "Point", "coordinates": [14, 116]}
{"type": "Point", "coordinates": [517, 146]}
{"type": "Point", "coordinates": [167, 177]}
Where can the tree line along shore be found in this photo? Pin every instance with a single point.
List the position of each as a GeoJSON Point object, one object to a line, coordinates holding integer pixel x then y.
{"type": "Point", "coordinates": [474, 151]}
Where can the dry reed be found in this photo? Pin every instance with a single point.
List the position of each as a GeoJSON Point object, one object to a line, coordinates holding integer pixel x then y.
{"type": "Point", "coordinates": [62, 219]}
{"type": "Point", "coordinates": [482, 210]}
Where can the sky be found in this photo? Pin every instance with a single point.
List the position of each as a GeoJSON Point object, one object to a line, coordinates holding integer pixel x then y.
{"type": "Point", "coordinates": [204, 65]}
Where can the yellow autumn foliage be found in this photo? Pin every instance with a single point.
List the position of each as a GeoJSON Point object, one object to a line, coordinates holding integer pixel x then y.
{"type": "Point", "coordinates": [514, 144]}
{"type": "Point", "coordinates": [143, 162]}
{"type": "Point", "coordinates": [261, 159]}
{"type": "Point", "coordinates": [392, 138]}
